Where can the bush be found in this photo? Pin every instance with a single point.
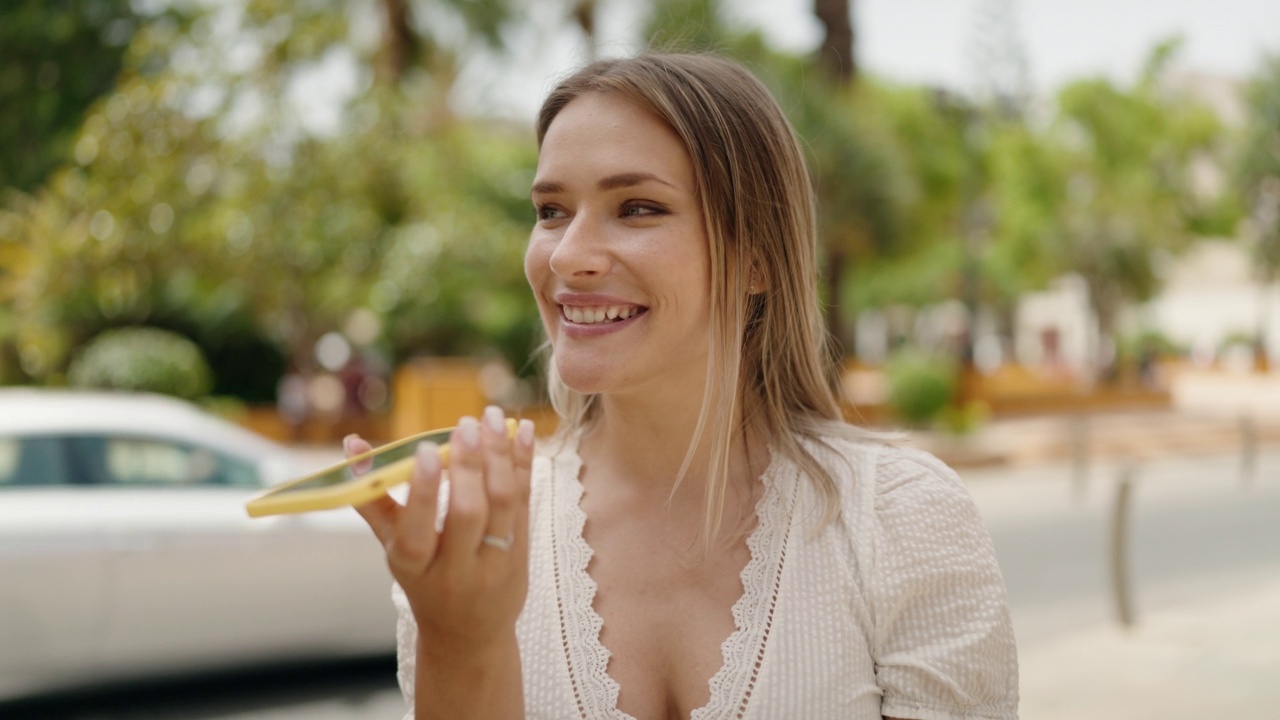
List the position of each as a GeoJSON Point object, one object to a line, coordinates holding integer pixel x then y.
{"type": "Point", "coordinates": [966, 419]}
{"type": "Point", "coordinates": [920, 386]}
{"type": "Point", "coordinates": [143, 359]}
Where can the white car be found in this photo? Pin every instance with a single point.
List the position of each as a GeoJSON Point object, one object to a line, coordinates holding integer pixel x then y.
{"type": "Point", "coordinates": [126, 552]}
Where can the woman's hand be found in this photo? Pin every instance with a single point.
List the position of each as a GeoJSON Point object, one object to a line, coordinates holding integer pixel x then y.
{"type": "Point", "coordinates": [466, 580]}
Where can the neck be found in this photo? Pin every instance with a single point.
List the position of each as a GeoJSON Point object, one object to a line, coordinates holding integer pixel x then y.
{"type": "Point", "coordinates": [638, 444]}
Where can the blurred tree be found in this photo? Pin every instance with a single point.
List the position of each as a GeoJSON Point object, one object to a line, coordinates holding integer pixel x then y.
{"type": "Point", "coordinates": [1259, 177]}
{"type": "Point", "coordinates": [858, 172]}
{"type": "Point", "coordinates": [56, 57]}
{"type": "Point", "coordinates": [201, 196]}
{"type": "Point", "coordinates": [838, 50]}
{"type": "Point", "coordinates": [1129, 194]}
{"type": "Point", "coordinates": [1027, 180]}
{"type": "Point", "coordinates": [921, 134]}
{"type": "Point", "coordinates": [836, 186]}
{"type": "Point", "coordinates": [584, 15]}
{"type": "Point", "coordinates": [693, 26]}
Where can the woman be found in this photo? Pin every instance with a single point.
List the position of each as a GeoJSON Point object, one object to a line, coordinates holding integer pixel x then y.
{"type": "Point", "coordinates": [704, 537]}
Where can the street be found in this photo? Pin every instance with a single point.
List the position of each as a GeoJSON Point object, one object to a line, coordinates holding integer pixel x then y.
{"type": "Point", "coordinates": [1196, 532]}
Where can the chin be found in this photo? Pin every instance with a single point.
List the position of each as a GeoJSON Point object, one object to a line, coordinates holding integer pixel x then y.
{"type": "Point", "coordinates": [588, 378]}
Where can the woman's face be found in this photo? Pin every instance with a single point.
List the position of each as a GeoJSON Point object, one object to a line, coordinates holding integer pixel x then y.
{"type": "Point", "coordinates": [618, 259]}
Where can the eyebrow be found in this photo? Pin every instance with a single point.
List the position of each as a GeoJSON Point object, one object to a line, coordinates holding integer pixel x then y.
{"type": "Point", "coordinates": [613, 182]}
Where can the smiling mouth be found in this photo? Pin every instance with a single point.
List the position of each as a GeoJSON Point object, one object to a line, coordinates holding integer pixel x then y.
{"type": "Point", "coordinates": [600, 314]}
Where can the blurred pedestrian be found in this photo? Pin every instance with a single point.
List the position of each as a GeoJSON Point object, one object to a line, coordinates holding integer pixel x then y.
{"type": "Point", "coordinates": [704, 536]}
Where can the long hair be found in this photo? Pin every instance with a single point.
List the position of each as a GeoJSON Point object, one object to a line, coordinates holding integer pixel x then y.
{"type": "Point", "coordinates": [769, 359]}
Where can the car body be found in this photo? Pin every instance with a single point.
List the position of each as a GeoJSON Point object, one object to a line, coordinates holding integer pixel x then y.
{"type": "Point", "coordinates": [126, 552]}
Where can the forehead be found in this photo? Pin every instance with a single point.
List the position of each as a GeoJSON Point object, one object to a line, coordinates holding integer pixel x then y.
{"type": "Point", "coordinates": [604, 133]}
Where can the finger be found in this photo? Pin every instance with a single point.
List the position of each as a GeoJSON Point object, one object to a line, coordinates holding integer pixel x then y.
{"type": "Point", "coordinates": [354, 445]}
{"type": "Point", "coordinates": [415, 541]}
{"type": "Point", "coordinates": [522, 469]}
{"type": "Point", "coordinates": [500, 482]}
{"type": "Point", "coordinates": [381, 516]}
{"type": "Point", "coordinates": [468, 505]}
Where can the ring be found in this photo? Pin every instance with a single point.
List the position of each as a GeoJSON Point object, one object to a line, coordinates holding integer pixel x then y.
{"type": "Point", "coordinates": [501, 543]}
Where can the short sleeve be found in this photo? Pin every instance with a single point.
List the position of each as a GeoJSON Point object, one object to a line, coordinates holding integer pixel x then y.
{"type": "Point", "coordinates": [943, 639]}
{"type": "Point", "coordinates": [406, 646]}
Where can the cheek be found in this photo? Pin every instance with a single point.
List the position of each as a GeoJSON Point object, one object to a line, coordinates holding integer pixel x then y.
{"type": "Point", "coordinates": [537, 267]}
{"type": "Point", "coordinates": [536, 263]}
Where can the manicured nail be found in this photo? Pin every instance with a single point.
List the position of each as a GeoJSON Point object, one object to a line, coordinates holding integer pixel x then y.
{"type": "Point", "coordinates": [495, 419]}
{"type": "Point", "coordinates": [429, 457]}
{"type": "Point", "coordinates": [469, 432]}
{"type": "Point", "coordinates": [524, 433]}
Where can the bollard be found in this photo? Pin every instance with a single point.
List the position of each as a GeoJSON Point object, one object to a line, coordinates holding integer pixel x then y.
{"type": "Point", "coordinates": [1120, 546]}
{"type": "Point", "coordinates": [1079, 456]}
{"type": "Point", "coordinates": [1248, 450]}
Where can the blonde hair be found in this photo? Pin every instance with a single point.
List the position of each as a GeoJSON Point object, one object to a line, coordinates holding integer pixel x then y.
{"type": "Point", "coordinates": [769, 353]}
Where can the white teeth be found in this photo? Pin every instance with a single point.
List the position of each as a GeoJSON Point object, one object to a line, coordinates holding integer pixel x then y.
{"type": "Point", "coordinates": [593, 315]}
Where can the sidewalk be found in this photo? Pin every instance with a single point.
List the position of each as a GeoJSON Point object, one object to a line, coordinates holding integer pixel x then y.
{"type": "Point", "coordinates": [1211, 413]}
{"type": "Point", "coordinates": [1214, 659]}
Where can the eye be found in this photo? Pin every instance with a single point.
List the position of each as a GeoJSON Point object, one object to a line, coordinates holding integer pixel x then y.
{"type": "Point", "coordinates": [547, 212]}
{"type": "Point", "coordinates": [641, 209]}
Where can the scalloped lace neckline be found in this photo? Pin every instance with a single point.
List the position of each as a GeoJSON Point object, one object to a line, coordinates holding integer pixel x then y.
{"type": "Point", "coordinates": [595, 691]}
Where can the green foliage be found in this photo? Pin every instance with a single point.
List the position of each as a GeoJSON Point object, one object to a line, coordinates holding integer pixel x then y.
{"type": "Point", "coordinates": [248, 233]}
{"type": "Point", "coordinates": [920, 386]}
{"type": "Point", "coordinates": [193, 196]}
{"type": "Point", "coordinates": [1259, 168]}
{"type": "Point", "coordinates": [687, 26]}
{"type": "Point", "coordinates": [1154, 343]}
{"type": "Point", "coordinates": [1241, 338]}
{"type": "Point", "coordinates": [55, 59]}
{"type": "Point", "coordinates": [1127, 155]}
{"type": "Point", "coordinates": [142, 359]}
{"type": "Point", "coordinates": [964, 419]}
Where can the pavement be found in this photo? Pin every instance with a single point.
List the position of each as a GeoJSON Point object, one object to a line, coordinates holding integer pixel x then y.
{"type": "Point", "coordinates": [1213, 655]}
{"type": "Point", "coordinates": [1216, 658]}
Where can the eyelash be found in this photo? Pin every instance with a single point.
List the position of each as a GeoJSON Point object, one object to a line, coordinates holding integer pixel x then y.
{"type": "Point", "coordinates": [629, 209]}
{"type": "Point", "coordinates": [648, 208]}
{"type": "Point", "coordinates": [542, 212]}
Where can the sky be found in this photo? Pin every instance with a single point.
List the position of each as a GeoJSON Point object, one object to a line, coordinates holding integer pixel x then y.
{"type": "Point", "coordinates": [919, 41]}
{"type": "Point", "coordinates": [930, 41]}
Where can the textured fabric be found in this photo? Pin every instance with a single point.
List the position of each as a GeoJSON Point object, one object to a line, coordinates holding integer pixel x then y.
{"type": "Point", "coordinates": [897, 609]}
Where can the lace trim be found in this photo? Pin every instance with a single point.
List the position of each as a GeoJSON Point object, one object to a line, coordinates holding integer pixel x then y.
{"type": "Point", "coordinates": [595, 692]}
{"type": "Point", "coordinates": [734, 683]}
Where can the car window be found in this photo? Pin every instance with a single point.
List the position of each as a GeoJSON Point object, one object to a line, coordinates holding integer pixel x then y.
{"type": "Point", "coordinates": [103, 460]}
{"type": "Point", "coordinates": [151, 462]}
{"type": "Point", "coordinates": [32, 461]}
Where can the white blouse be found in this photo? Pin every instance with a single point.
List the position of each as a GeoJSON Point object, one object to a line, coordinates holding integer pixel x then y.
{"type": "Point", "coordinates": [896, 609]}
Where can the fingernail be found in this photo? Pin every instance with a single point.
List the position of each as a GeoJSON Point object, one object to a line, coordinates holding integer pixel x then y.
{"type": "Point", "coordinates": [495, 419]}
{"type": "Point", "coordinates": [469, 432]}
{"type": "Point", "coordinates": [524, 433]}
{"type": "Point", "coordinates": [429, 457]}
{"type": "Point", "coordinates": [346, 443]}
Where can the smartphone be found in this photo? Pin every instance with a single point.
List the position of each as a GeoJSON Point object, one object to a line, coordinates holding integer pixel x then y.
{"type": "Point", "coordinates": [339, 485]}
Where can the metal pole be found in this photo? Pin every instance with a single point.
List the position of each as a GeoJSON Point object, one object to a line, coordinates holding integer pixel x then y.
{"type": "Point", "coordinates": [1248, 450]}
{"type": "Point", "coordinates": [1079, 432]}
{"type": "Point", "coordinates": [1120, 546]}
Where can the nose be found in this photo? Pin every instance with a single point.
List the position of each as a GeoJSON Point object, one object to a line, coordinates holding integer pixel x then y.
{"type": "Point", "coordinates": [582, 250]}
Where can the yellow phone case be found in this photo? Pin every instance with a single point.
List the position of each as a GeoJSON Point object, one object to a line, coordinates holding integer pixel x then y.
{"type": "Point", "coordinates": [338, 487]}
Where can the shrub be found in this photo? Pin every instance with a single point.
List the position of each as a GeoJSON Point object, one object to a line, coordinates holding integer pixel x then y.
{"type": "Point", "coordinates": [142, 359]}
{"type": "Point", "coordinates": [920, 386]}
